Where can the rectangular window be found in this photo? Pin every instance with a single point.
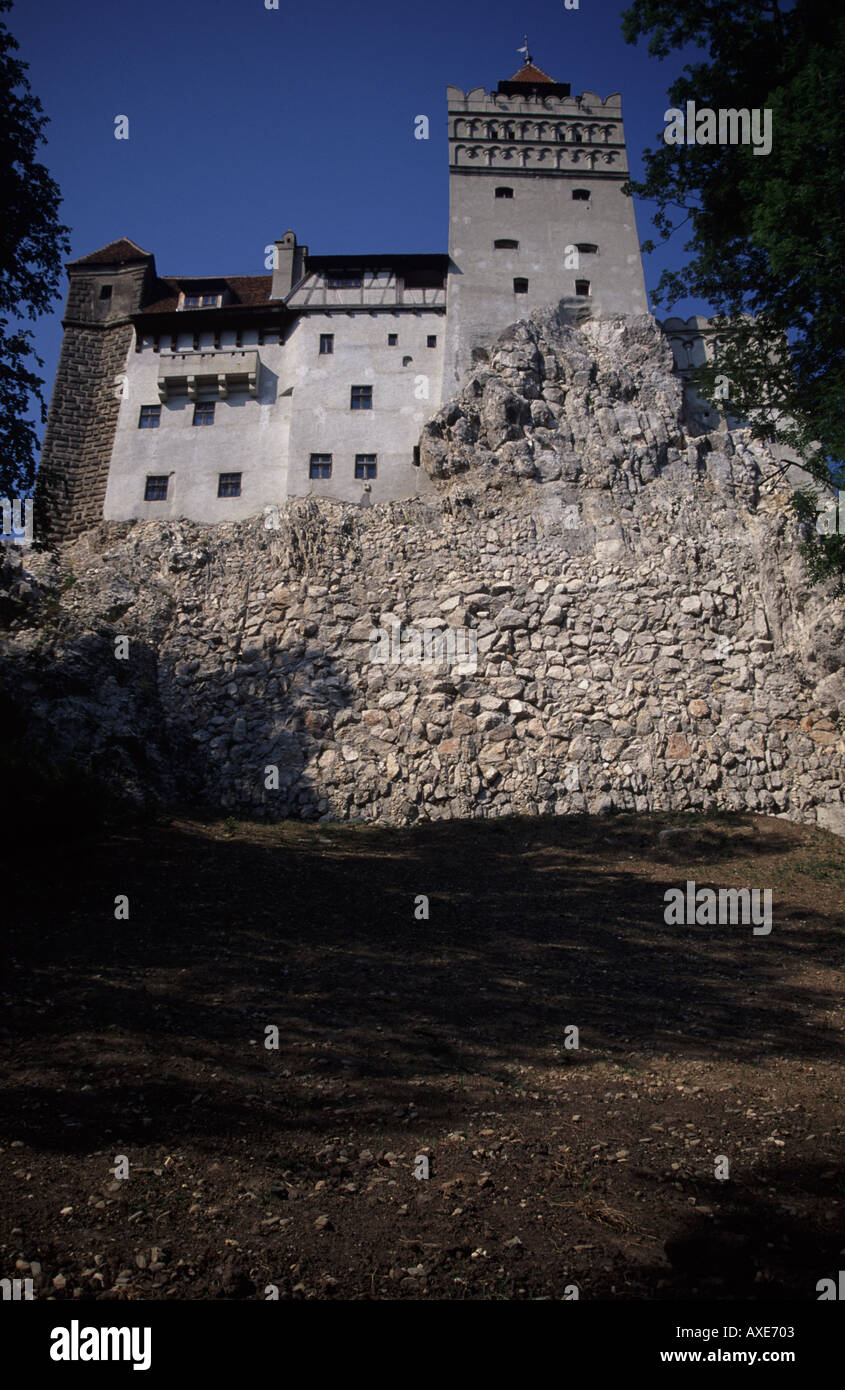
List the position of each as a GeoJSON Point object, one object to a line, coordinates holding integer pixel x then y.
{"type": "Point", "coordinates": [392, 339]}
{"type": "Point", "coordinates": [201, 301]}
{"type": "Point", "coordinates": [361, 398]}
{"type": "Point", "coordinates": [582, 287]}
{"type": "Point", "coordinates": [520, 286]}
{"type": "Point", "coordinates": [341, 281]}
{"type": "Point", "coordinates": [105, 291]}
{"type": "Point", "coordinates": [504, 192]}
{"type": "Point", "coordinates": [156, 489]}
{"type": "Point", "coordinates": [150, 417]}
{"type": "Point", "coordinates": [229, 485]}
{"type": "Point", "coordinates": [204, 413]}
{"type": "Point", "coordinates": [320, 466]}
{"type": "Point", "coordinates": [505, 243]}
{"type": "Point", "coordinates": [365, 465]}
{"type": "Point", "coordinates": [326, 344]}
{"type": "Point", "coordinates": [431, 340]}
{"type": "Point", "coordinates": [581, 195]}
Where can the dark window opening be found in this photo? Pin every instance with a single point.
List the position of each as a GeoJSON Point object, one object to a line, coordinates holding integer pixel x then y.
{"type": "Point", "coordinates": [505, 243]}
{"type": "Point", "coordinates": [361, 398]}
{"type": "Point", "coordinates": [581, 195]}
{"type": "Point", "coordinates": [105, 291]}
{"type": "Point", "coordinates": [504, 192]}
{"type": "Point", "coordinates": [365, 465]}
{"type": "Point", "coordinates": [326, 344]}
{"type": "Point", "coordinates": [416, 456]}
{"type": "Point", "coordinates": [320, 466]}
{"type": "Point", "coordinates": [392, 339]}
{"type": "Point", "coordinates": [341, 281]}
{"type": "Point", "coordinates": [204, 413]}
{"type": "Point", "coordinates": [150, 417]}
{"type": "Point", "coordinates": [431, 340]}
{"type": "Point", "coordinates": [588, 247]}
{"type": "Point", "coordinates": [229, 485]}
{"type": "Point", "coordinates": [582, 287]}
{"type": "Point", "coordinates": [156, 489]}
{"type": "Point", "coordinates": [520, 286]}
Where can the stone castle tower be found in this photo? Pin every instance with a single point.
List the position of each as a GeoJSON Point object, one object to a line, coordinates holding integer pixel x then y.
{"type": "Point", "coordinates": [318, 377]}
{"type": "Point", "coordinates": [536, 210]}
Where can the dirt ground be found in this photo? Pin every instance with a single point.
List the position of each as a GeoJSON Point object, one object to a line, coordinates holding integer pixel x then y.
{"type": "Point", "coordinates": [551, 1168]}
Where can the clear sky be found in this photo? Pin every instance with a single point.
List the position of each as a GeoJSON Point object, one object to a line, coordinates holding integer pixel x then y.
{"type": "Point", "coordinates": [244, 121]}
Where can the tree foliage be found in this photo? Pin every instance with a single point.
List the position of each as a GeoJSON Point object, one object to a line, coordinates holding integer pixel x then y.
{"type": "Point", "coordinates": [32, 245]}
{"type": "Point", "coordinates": [767, 239]}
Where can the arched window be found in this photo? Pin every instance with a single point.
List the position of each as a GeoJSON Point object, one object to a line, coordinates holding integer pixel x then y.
{"type": "Point", "coordinates": [504, 192]}
{"type": "Point", "coordinates": [581, 195]}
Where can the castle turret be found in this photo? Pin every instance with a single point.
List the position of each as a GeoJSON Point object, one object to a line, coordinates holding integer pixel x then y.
{"type": "Point", "coordinates": [536, 210]}
{"type": "Point", "coordinates": [105, 289]}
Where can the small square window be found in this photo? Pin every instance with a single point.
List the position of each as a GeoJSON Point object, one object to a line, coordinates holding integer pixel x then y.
{"type": "Point", "coordinates": [150, 417]}
{"type": "Point", "coordinates": [365, 465]}
{"type": "Point", "coordinates": [204, 413]}
{"type": "Point", "coordinates": [431, 340]}
{"type": "Point", "coordinates": [326, 344]}
{"type": "Point", "coordinates": [229, 485]}
{"type": "Point", "coordinates": [105, 291]}
{"type": "Point", "coordinates": [361, 398]}
{"type": "Point", "coordinates": [520, 286]}
{"type": "Point", "coordinates": [156, 489]}
{"type": "Point", "coordinates": [320, 466]}
{"type": "Point", "coordinates": [582, 287]}
{"type": "Point", "coordinates": [392, 339]}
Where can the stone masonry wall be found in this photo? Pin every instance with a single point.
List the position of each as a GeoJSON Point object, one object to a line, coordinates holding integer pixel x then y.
{"type": "Point", "coordinates": [78, 441]}
{"type": "Point", "coordinates": [645, 636]}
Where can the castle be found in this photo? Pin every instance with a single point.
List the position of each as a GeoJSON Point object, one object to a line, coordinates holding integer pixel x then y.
{"type": "Point", "coordinates": [213, 398]}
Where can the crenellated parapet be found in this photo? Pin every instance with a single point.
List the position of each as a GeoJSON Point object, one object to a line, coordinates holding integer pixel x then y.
{"type": "Point", "coordinates": [531, 132]}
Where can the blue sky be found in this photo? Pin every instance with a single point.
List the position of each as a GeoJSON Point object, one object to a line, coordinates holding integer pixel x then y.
{"type": "Point", "coordinates": [245, 121]}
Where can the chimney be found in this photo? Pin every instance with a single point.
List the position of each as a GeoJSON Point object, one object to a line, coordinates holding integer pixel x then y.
{"type": "Point", "coordinates": [288, 263]}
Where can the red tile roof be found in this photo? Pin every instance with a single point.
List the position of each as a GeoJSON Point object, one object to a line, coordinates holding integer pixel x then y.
{"type": "Point", "coordinates": [245, 290]}
{"type": "Point", "coordinates": [530, 73]}
{"type": "Point", "coordinates": [121, 252]}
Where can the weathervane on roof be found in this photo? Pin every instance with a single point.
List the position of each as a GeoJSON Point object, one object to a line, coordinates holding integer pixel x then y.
{"type": "Point", "coordinates": [525, 49]}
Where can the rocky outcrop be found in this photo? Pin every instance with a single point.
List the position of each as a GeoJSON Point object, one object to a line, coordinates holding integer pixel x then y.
{"type": "Point", "coordinates": [615, 612]}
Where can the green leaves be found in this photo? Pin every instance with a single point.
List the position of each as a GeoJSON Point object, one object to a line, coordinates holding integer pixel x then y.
{"type": "Point", "coordinates": [767, 237]}
{"type": "Point", "coordinates": [32, 245]}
